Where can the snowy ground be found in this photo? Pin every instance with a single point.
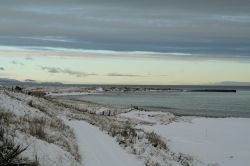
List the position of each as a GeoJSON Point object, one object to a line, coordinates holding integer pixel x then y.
{"type": "Point", "coordinates": [150, 117]}
{"type": "Point", "coordinates": [99, 149]}
{"type": "Point", "coordinates": [47, 153]}
{"type": "Point", "coordinates": [52, 148]}
{"type": "Point", "coordinates": [221, 141]}
{"type": "Point", "coordinates": [218, 141]}
{"type": "Point", "coordinates": [17, 107]}
{"type": "Point", "coordinates": [72, 93]}
{"type": "Point", "coordinates": [92, 108]}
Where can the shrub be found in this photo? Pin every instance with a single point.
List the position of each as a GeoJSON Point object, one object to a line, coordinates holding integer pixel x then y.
{"type": "Point", "coordinates": [10, 152]}
{"type": "Point", "coordinates": [30, 103]}
{"type": "Point", "coordinates": [37, 93]}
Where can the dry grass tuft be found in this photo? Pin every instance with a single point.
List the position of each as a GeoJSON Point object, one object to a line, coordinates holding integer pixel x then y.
{"type": "Point", "coordinates": [39, 107]}
{"type": "Point", "coordinates": [156, 141]}
{"type": "Point", "coordinates": [6, 118]}
{"type": "Point", "coordinates": [36, 128]}
{"type": "Point", "coordinates": [58, 124]}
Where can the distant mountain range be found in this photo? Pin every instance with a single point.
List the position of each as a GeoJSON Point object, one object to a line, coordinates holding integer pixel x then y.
{"type": "Point", "coordinates": [7, 81]}
{"type": "Point", "coordinates": [233, 83]}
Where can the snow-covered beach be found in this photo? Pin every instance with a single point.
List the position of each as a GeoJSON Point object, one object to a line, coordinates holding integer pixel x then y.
{"type": "Point", "coordinates": [124, 83]}
{"type": "Point", "coordinates": [102, 135]}
{"type": "Point", "coordinates": [220, 141]}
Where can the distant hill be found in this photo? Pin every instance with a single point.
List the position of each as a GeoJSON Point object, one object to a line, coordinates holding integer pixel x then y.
{"type": "Point", "coordinates": [7, 81]}
{"type": "Point", "coordinates": [233, 83]}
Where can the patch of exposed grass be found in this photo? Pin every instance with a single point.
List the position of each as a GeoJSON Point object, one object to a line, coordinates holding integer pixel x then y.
{"type": "Point", "coordinates": [39, 107]}
{"type": "Point", "coordinates": [6, 118]}
{"type": "Point", "coordinates": [125, 134]}
{"type": "Point", "coordinates": [156, 141]}
{"type": "Point", "coordinates": [58, 124]}
{"type": "Point", "coordinates": [36, 128]}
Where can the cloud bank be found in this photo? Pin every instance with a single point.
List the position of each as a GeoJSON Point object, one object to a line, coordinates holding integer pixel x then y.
{"type": "Point", "coordinates": [56, 70]}
{"type": "Point", "coordinates": [16, 63]}
{"type": "Point", "coordinates": [199, 27]}
{"type": "Point", "coordinates": [122, 75]}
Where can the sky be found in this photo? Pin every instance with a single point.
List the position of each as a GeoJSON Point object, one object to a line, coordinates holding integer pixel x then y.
{"type": "Point", "coordinates": [125, 42]}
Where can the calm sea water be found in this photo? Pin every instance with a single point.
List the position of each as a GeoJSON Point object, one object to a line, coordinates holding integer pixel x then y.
{"type": "Point", "coordinates": [183, 103]}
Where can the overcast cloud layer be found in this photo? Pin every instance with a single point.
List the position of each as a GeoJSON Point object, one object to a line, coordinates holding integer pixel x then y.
{"type": "Point", "coordinates": [216, 27]}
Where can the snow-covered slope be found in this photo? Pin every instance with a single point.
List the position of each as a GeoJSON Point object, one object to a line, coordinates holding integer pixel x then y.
{"type": "Point", "coordinates": [46, 136]}
{"type": "Point", "coordinates": [56, 144]}
{"type": "Point", "coordinates": [48, 154]}
{"type": "Point", "coordinates": [19, 108]}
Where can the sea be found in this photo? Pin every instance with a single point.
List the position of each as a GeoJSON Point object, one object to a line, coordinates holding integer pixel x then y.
{"type": "Point", "coordinates": [186, 102]}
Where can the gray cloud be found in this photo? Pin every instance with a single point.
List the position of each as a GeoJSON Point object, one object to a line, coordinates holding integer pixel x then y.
{"type": "Point", "coordinates": [56, 70]}
{"type": "Point", "coordinates": [16, 63]}
{"type": "Point", "coordinates": [29, 80]}
{"type": "Point", "coordinates": [122, 75]}
{"type": "Point", "coordinates": [195, 26]}
{"type": "Point", "coordinates": [1, 68]}
{"type": "Point", "coordinates": [28, 58]}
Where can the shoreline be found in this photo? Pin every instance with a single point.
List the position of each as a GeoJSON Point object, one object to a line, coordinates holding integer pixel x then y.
{"type": "Point", "coordinates": [202, 104]}
{"type": "Point", "coordinates": [156, 110]}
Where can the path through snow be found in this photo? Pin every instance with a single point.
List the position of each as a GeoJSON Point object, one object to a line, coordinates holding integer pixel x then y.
{"type": "Point", "coordinates": [99, 149]}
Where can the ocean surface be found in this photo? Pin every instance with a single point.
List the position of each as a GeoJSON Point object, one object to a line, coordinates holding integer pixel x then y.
{"type": "Point", "coordinates": [214, 104]}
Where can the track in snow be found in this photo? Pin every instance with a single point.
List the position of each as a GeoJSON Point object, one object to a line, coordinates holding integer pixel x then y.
{"type": "Point", "coordinates": [99, 149]}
